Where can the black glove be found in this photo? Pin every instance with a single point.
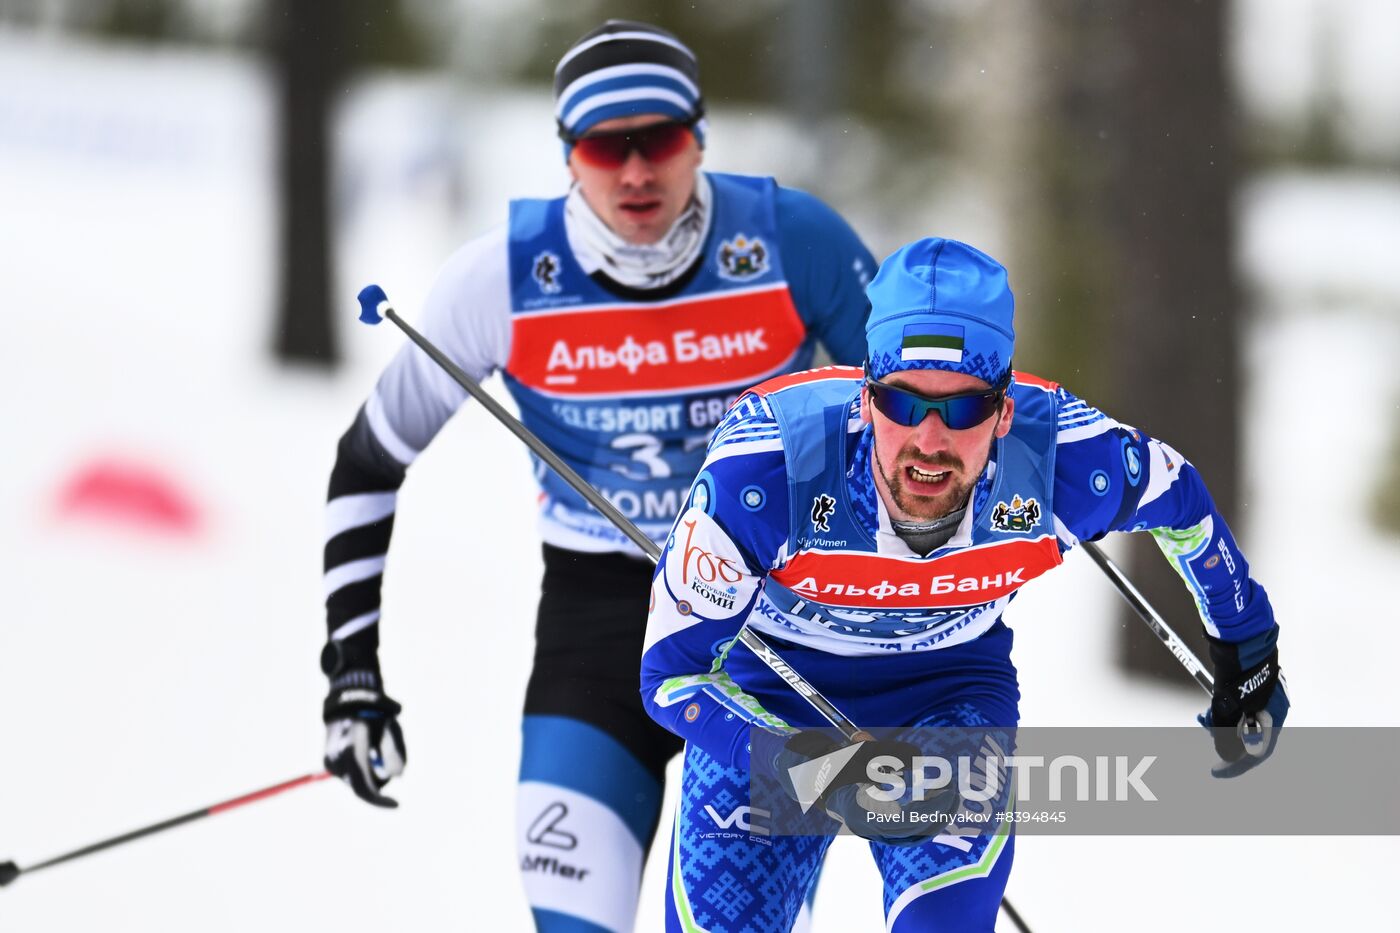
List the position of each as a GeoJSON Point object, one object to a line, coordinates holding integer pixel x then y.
{"type": "Point", "coordinates": [364, 744]}
{"type": "Point", "coordinates": [1249, 705]}
{"type": "Point", "coordinates": [813, 786]}
{"type": "Point", "coordinates": [843, 791]}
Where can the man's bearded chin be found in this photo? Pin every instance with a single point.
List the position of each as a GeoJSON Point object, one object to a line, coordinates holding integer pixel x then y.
{"type": "Point", "coordinates": [927, 508]}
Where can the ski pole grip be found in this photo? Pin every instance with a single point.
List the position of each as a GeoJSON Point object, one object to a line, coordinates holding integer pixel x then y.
{"type": "Point", "coordinates": [373, 304]}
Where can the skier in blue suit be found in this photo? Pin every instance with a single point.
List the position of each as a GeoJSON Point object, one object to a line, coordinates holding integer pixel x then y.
{"type": "Point", "coordinates": [873, 526]}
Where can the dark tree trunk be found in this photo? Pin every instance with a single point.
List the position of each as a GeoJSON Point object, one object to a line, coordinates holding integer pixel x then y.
{"type": "Point", "coordinates": [1174, 327]}
{"type": "Point", "coordinates": [308, 57]}
{"type": "Point", "coordinates": [1138, 292]}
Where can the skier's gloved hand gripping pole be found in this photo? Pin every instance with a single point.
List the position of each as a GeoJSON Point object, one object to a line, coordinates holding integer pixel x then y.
{"type": "Point", "coordinates": [1245, 731]}
{"type": "Point", "coordinates": [9, 871]}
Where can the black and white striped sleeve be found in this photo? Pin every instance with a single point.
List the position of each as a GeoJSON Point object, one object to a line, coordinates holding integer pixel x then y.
{"type": "Point", "coordinates": [359, 521]}
{"type": "Point", "coordinates": [467, 316]}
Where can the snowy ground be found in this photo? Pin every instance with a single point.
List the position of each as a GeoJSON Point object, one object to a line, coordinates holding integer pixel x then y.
{"type": "Point", "coordinates": [150, 671]}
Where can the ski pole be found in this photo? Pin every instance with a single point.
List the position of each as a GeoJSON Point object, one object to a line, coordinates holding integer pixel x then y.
{"type": "Point", "coordinates": [1250, 729]}
{"type": "Point", "coordinates": [9, 871]}
{"type": "Point", "coordinates": [374, 307]}
{"type": "Point", "coordinates": [1153, 618]}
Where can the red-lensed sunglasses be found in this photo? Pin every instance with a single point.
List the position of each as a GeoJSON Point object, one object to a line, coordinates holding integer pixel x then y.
{"type": "Point", "coordinates": [655, 142]}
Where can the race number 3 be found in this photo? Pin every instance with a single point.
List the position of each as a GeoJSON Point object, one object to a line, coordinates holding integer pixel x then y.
{"type": "Point", "coordinates": [646, 456]}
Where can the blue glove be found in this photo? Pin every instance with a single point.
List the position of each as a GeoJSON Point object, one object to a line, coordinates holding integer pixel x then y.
{"type": "Point", "coordinates": [1249, 705]}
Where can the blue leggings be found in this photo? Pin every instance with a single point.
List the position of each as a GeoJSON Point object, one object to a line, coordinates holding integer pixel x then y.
{"type": "Point", "coordinates": [727, 874]}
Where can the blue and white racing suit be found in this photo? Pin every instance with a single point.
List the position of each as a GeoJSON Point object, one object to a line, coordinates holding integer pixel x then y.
{"type": "Point", "coordinates": [783, 531]}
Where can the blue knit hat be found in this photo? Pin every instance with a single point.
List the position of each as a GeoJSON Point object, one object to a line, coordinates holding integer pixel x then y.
{"type": "Point", "coordinates": [622, 69]}
{"type": "Point", "coordinates": [940, 304]}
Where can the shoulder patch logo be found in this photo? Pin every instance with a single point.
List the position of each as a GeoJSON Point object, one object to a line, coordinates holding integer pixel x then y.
{"type": "Point", "coordinates": [742, 258]}
{"type": "Point", "coordinates": [1017, 515]}
{"type": "Point", "coordinates": [822, 507]}
{"type": "Point", "coordinates": [545, 270]}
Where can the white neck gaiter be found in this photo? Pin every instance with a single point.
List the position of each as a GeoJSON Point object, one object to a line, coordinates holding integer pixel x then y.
{"type": "Point", "coordinates": [598, 249]}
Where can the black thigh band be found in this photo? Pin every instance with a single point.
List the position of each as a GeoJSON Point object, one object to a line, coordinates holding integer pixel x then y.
{"type": "Point", "coordinates": [588, 649]}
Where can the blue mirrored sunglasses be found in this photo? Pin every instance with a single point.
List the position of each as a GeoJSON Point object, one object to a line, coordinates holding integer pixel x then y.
{"type": "Point", "coordinates": [959, 412]}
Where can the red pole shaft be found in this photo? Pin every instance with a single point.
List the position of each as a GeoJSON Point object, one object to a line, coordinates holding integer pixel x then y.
{"type": "Point", "coordinates": [267, 792]}
{"type": "Point", "coordinates": [9, 871]}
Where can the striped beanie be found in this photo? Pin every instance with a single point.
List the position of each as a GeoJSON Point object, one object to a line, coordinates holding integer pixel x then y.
{"type": "Point", "coordinates": [622, 69]}
{"type": "Point", "coordinates": [940, 304]}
